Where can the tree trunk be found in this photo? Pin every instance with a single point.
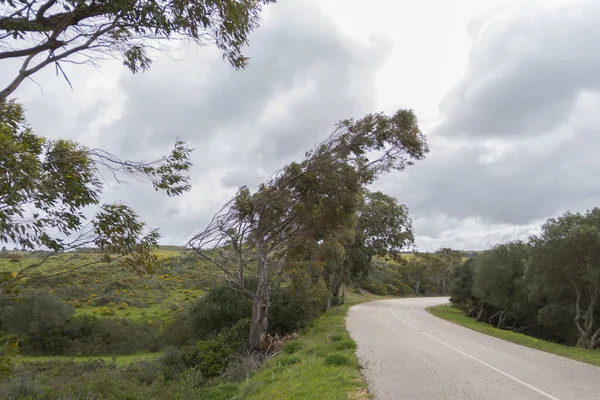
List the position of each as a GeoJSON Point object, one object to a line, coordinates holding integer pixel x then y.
{"type": "Point", "coordinates": [259, 324]}
{"type": "Point", "coordinates": [480, 315]}
{"type": "Point", "coordinates": [501, 319]}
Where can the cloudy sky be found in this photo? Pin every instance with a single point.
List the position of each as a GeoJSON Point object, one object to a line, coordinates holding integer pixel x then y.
{"type": "Point", "coordinates": [507, 92]}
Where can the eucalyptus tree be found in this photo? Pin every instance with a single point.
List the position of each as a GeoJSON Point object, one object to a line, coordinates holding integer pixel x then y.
{"type": "Point", "coordinates": [39, 33]}
{"type": "Point", "coordinates": [309, 201]}
{"type": "Point", "coordinates": [46, 186]}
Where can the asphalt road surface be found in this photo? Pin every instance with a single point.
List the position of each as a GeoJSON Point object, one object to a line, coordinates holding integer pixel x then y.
{"type": "Point", "coordinates": [408, 353]}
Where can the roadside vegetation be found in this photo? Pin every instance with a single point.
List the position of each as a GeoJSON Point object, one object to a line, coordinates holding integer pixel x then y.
{"type": "Point", "coordinates": [453, 314]}
{"type": "Point", "coordinates": [548, 287]}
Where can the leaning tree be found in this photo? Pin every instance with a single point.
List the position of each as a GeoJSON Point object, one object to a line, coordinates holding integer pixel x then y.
{"type": "Point", "coordinates": [53, 32]}
{"type": "Point", "coordinates": [311, 200]}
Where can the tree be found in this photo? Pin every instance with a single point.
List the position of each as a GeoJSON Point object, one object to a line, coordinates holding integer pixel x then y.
{"type": "Point", "coordinates": [566, 262]}
{"type": "Point", "coordinates": [383, 228]}
{"type": "Point", "coordinates": [497, 281]}
{"type": "Point", "coordinates": [4, 250]}
{"type": "Point", "coordinates": [461, 287]}
{"type": "Point", "coordinates": [44, 32]}
{"type": "Point", "coordinates": [305, 202]}
{"type": "Point", "coordinates": [46, 184]}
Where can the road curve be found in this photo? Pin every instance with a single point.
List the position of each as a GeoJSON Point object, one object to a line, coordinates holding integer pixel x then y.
{"type": "Point", "coordinates": [408, 353]}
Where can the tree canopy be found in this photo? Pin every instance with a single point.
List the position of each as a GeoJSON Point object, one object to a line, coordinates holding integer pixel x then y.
{"type": "Point", "coordinates": [306, 202]}
{"type": "Point", "coordinates": [548, 287]}
{"type": "Point", "coordinates": [46, 186]}
{"type": "Point", "coordinates": [56, 31]}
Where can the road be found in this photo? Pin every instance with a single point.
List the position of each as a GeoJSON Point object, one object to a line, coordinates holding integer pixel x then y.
{"type": "Point", "coordinates": [409, 354]}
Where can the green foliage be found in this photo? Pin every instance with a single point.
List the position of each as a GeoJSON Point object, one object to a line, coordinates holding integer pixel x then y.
{"type": "Point", "coordinates": [122, 29]}
{"type": "Point", "coordinates": [223, 391]}
{"type": "Point", "coordinates": [46, 184]}
{"type": "Point", "coordinates": [307, 203]}
{"type": "Point", "coordinates": [345, 344]}
{"type": "Point", "coordinates": [293, 346]}
{"type": "Point", "coordinates": [549, 288]}
{"type": "Point", "coordinates": [288, 360]}
{"type": "Point", "coordinates": [455, 315]}
{"type": "Point", "coordinates": [337, 360]}
{"type": "Point", "coordinates": [94, 336]}
{"type": "Point", "coordinates": [35, 315]}
{"type": "Point", "coordinates": [295, 305]}
{"type": "Point", "coordinates": [308, 377]}
{"type": "Point", "coordinates": [383, 228]}
{"type": "Point", "coordinates": [21, 386]}
{"type": "Point", "coordinates": [461, 287]}
{"type": "Point", "coordinates": [221, 307]}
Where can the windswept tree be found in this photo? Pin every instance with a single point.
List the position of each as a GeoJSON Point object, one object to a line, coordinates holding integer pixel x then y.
{"type": "Point", "coordinates": [53, 32]}
{"type": "Point", "coordinates": [46, 186]}
{"type": "Point", "coordinates": [565, 263]}
{"type": "Point", "coordinates": [306, 201]}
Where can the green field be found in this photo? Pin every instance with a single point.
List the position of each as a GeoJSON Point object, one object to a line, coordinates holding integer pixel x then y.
{"type": "Point", "coordinates": [455, 315]}
{"type": "Point", "coordinates": [106, 290]}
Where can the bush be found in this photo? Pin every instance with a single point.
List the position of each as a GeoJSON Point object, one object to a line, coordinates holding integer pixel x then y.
{"type": "Point", "coordinates": [345, 345]}
{"type": "Point", "coordinates": [292, 347]}
{"type": "Point", "coordinates": [337, 360]}
{"type": "Point", "coordinates": [178, 332]}
{"type": "Point", "coordinates": [21, 386]}
{"type": "Point", "coordinates": [242, 365]}
{"type": "Point", "coordinates": [210, 357]}
{"type": "Point", "coordinates": [172, 363]}
{"type": "Point", "coordinates": [221, 307]}
{"type": "Point", "coordinates": [35, 314]}
{"type": "Point", "coordinates": [87, 335]}
{"type": "Point", "coordinates": [297, 304]}
{"type": "Point", "coordinates": [144, 371]}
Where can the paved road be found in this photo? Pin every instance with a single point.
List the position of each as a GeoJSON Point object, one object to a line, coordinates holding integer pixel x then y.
{"type": "Point", "coordinates": [409, 354]}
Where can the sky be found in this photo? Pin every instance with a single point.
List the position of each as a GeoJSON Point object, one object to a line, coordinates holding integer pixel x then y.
{"type": "Point", "coordinates": [507, 93]}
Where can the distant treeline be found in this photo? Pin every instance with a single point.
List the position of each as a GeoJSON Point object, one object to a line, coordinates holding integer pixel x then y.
{"type": "Point", "coordinates": [548, 287]}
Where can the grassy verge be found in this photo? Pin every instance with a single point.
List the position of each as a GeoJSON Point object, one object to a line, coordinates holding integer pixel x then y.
{"type": "Point", "coordinates": [120, 361]}
{"type": "Point", "coordinates": [321, 364]}
{"type": "Point", "coordinates": [453, 314]}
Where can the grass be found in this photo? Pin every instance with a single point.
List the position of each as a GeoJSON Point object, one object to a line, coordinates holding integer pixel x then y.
{"type": "Point", "coordinates": [119, 361]}
{"type": "Point", "coordinates": [322, 365]}
{"type": "Point", "coordinates": [456, 316]}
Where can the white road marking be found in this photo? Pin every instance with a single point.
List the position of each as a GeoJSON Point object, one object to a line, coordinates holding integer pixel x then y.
{"type": "Point", "coordinates": [540, 391]}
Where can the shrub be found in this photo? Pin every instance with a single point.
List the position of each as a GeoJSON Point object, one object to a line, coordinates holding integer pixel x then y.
{"type": "Point", "coordinates": [242, 365]}
{"type": "Point", "coordinates": [210, 357]}
{"type": "Point", "coordinates": [221, 307]}
{"type": "Point", "coordinates": [292, 347]}
{"type": "Point", "coordinates": [21, 386]}
{"type": "Point", "coordinates": [337, 359]}
{"type": "Point", "coordinates": [87, 335]}
{"type": "Point", "coordinates": [335, 337]}
{"type": "Point", "coordinates": [178, 332]}
{"type": "Point", "coordinates": [144, 371]}
{"type": "Point", "coordinates": [35, 314]}
{"type": "Point", "coordinates": [295, 305]}
{"type": "Point", "coordinates": [345, 344]}
{"type": "Point", "coordinates": [172, 363]}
